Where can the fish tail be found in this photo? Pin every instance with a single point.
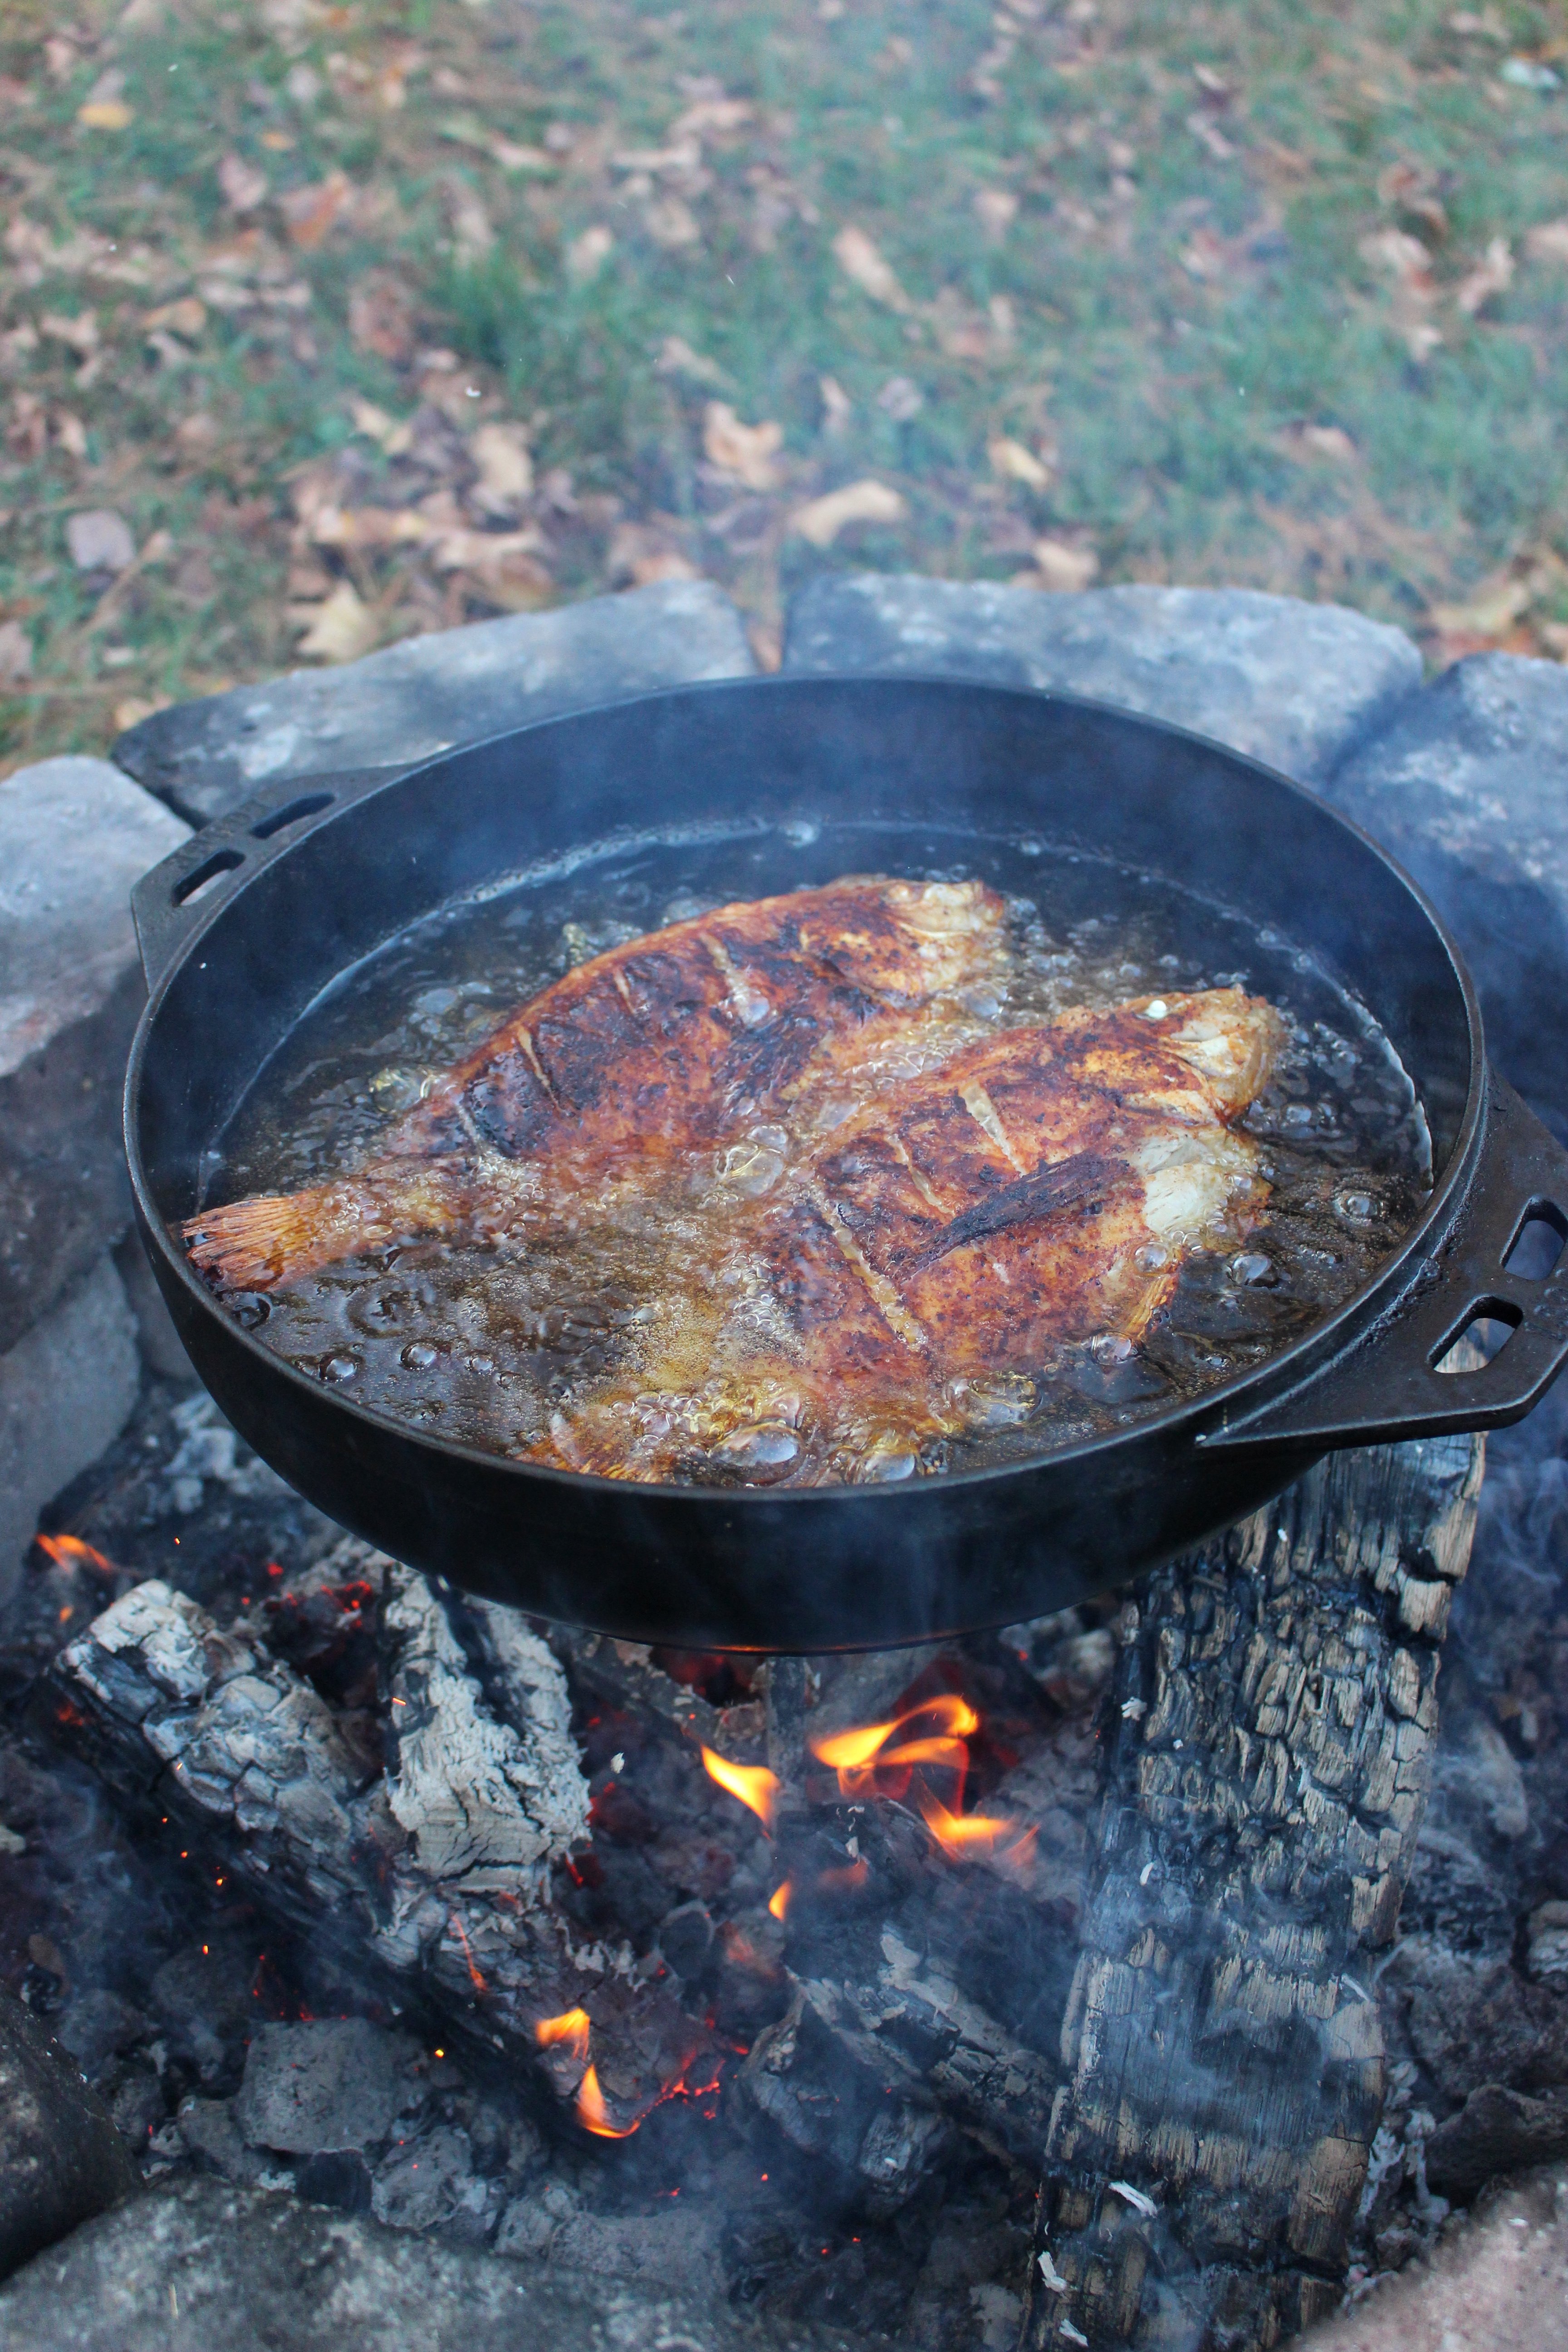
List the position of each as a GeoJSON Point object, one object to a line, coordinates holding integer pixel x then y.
{"type": "Point", "coordinates": [275, 1238]}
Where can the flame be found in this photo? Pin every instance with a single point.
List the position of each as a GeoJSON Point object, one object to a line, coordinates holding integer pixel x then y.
{"type": "Point", "coordinates": [69, 1551]}
{"type": "Point", "coordinates": [593, 2114]}
{"type": "Point", "coordinates": [753, 1784]}
{"type": "Point", "coordinates": [573, 2027]}
{"type": "Point", "coordinates": [874, 1760]}
{"type": "Point", "coordinates": [778, 1901]}
{"type": "Point", "coordinates": [965, 1833]}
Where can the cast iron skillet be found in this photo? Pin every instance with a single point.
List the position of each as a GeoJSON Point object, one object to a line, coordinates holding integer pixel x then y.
{"type": "Point", "coordinates": [303, 881]}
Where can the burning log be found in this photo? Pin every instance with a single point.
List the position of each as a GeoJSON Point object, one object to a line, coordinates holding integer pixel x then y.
{"type": "Point", "coordinates": [1272, 1723]}
{"type": "Point", "coordinates": [437, 1872]}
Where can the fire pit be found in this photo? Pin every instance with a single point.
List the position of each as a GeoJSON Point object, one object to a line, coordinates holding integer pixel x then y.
{"type": "Point", "coordinates": [1038, 1987]}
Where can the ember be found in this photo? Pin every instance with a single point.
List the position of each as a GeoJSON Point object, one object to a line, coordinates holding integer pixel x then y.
{"type": "Point", "coordinates": [572, 2028]}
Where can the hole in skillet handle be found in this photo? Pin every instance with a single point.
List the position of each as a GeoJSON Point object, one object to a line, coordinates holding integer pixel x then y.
{"type": "Point", "coordinates": [1537, 1244]}
{"type": "Point", "coordinates": [1482, 1338]}
{"type": "Point", "coordinates": [191, 886]}
{"type": "Point", "coordinates": [310, 804]}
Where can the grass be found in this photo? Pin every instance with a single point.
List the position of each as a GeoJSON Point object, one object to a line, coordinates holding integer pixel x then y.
{"type": "Point", "coordinates": [1267, 296]}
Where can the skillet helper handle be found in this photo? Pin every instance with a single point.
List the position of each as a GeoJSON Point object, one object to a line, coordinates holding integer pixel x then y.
{"type": "Point", "coordinates": [171, 904]}
{"type": "Point", "coordinates": [1387, 1387]}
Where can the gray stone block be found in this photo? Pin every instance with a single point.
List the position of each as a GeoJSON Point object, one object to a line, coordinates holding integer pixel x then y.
{"type": "Point", "coordinates": [74, 836]}
{"type": "Point", "coordinates": [251, 2270]}
{"type": "Point", "coordinates": [429, 693]}
{"type": "Point", "coordinates": [1290, 683]}
{"type": "Point", "coordinates": [61, 2159]}
{"type": "Point", "coordinates": [332, 2082]}
{"type": "Point", "coordinates": [66, 1391]}
{"type": "Point", "coordinates": [1468, 785]}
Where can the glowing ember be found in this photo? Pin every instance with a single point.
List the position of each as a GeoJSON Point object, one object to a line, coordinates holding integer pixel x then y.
{"type": "Point", "coordinates": [753, 1784]}
{"type": "Point", "coordinates": [572, 2027]}
{"type": "Point", "coordinates": [778, 1901]}
{"type": "Point", "coordinates": [69, 1551]}
{"type": "Point", "coordinates": [594, 2114]}
{"type": "Point", "coordinates": [475, 1978]}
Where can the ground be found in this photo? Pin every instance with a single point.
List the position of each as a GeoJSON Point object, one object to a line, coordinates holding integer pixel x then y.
{"type": "Point", "coordinates": [325, 324]}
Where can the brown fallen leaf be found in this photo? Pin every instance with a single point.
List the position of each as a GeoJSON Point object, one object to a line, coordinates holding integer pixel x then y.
{"type": "Point", "coordinates": [393, 435]}
{"type": "Point", "coordinates": [310, 211]}
{"type": "Point", "coordinates": [1205, 258]}
{"type": "Point", "coordinates": [100, 539]}
{"type": "Point", "coordinates": [135, 708]}
{"type": "Point", "coordinates": [506, 468]}
{"type": "Point", "coordinates": [381, 319]}
{"type": "Point", "coordinates": [587, 254]}
{"type": "Point", "coordinates": [676, 357]}
{"type": "Point", "coordinates": [1548, 241]}
{"type": "Point", "coordinates": [1412, 188]}
{"type": "Point", "coordinates": [15, 653]}
{"type": "Point", "coordinates": [80, 333]}
{"type": "Point", "coordinates": [639, 554]}
{"type": "Point", "coordinates": [747, 451]}
{"type": "Point", "coordinates": [196, 433]}
{"type": "Point", "coordinates": [243, 185]}
{"type": "Point", "coordinates": [1063, 567]}
{"type": "Point", "coordinates": [70, 435]}
{"type": "Point", "coordinates": [860, 259]}
{"type": "Point", "coordinates": [1492, 609]}
{"type": "Point", "coordinates": [1494, 275]}
{"type": "Point", "coordinates": [998, 209]}
{"type": "Point", "coordinates": [672, 224]}
{"type": "Point", "coordinates": [1401, 257]}
{"type": "Point", "coordinates": [1208, 132]}
{"type": "Point", "coordinates": [339, 629]}
{"type": "Point", "coordinates": [105, 114]}
{"type": "Point", "coordinates": [1309, 441]}
{"type": "Point", "coordinates": [472, 232]}
{"type": "Point", "coordinates": [187, 318]}
{"type": "Point", "coordinates": [822, 520]}
{"type": "Point", "coordinates": [1012, 462]}
{"type": "Point", "coordinates": [711, 117]}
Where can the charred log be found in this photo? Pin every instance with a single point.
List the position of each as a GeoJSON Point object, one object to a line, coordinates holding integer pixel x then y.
{"type": "Point", "coordinates": [1269, 1749]}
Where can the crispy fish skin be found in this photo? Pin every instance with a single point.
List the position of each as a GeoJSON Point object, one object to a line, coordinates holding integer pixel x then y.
{"type": "Point", "coordinates": [654, 1048]}
{"type": "Point", "coordinates": [1039, 1188]}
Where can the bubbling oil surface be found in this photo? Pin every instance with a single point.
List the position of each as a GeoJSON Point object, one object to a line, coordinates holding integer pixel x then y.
{"type": "Point", "coordinates": [489, 1346]}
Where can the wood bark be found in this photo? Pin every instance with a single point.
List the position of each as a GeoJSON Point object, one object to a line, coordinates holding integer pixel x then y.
{"type": "Point", "coordinates": [1269, 1748]}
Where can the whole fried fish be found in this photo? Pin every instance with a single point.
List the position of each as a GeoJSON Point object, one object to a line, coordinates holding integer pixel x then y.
{"type": "Point", "coordinates": [656, 1049]}
{"type": "Point", "coordinates": [1038, 1188]}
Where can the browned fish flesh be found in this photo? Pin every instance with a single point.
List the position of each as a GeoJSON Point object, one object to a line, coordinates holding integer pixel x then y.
{"type": "Point", "coordinates": [1039, 1188]}
{"type": "Point", "coordinates": [659, 1047]}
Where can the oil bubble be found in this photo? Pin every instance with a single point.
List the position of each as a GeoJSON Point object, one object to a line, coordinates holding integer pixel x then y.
{"type": "Point", "coordinates": [249, 1309]}
{"type": "Point", "coordinates": [1252, 1268]}
{"type": "Point", "coordinates": [995, 1399]}
{"type": "Point", "coordinates": [419, 1355]}
{"type": "Point", "coordinates": [338, 1368]}
{"type": "Point", "coordinates": [1359, 1208]}
{"type": "Point", "coordinates": [761, 1453]}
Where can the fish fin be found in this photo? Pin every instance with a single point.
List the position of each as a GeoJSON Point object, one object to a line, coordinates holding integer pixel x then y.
{"type": "Point", "coordinates": [276, 1238]}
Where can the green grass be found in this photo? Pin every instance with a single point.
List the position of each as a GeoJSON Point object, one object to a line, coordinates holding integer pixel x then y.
{"type": "Point", "coordinates": [1183, 287]}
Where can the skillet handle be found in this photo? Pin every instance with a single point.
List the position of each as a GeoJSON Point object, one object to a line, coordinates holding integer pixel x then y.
{"type": "Point", "coordinates": [171, 903]}
{"type": "Point", "coordinates": [1387, 1387]}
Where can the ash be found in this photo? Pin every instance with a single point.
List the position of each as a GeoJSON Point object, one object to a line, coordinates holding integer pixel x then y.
{"type": "Point", "coordinates": [1026, 2014]}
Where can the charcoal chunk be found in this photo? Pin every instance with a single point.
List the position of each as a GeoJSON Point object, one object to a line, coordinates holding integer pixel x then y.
{"type": "Point", "coordinates": [323, 2086]}
{"type": "Point", "coordinates": [1496, 2130]}
{"type": "Point", "coordinates": [61, 2158]}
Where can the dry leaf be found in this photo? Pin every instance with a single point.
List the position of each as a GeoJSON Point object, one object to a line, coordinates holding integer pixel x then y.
{"type": "Point", "coordinates": [1494, 276]}
{"type": "Point", "coordinates": [472, 231]}
{"type": "Point", "coordinates": [902, 399]}
{"type": "Point", "coordinates": [866, 502]}
{"type": "Point", "coordinates": [70, 435]}
{"type": "Point", "coordinates": [1209, 134]}
{"type": "Point", "coordinates": [671, 222]}
{"type": "Point", "coordinates": [1411, 188]}
{"type": "Point", "coordinates": [197, 432]}
{"type": "Point", "coordinates": [80, 333]}
{"type": "Point", "coordinates": [676, 357]}
{"type": "Point", "coordinates": [309, 213]}
{"type": "Point", "coordinates": [745, 450]}
{"type": "Point", "coordinates": [390, 433]}
{"type": "Point", "coordinates": [1330, 441]}
{"type": "Point", "coordinates": [15, 653]}
{"type": "Point", "coordinates": [998, 209]}
{"type": "Point", "coordinates": [1205, 258]}
{"type": "Point", "coordinates": [506, 470]}
{"type": "Point", "coordinates": [1403, 256]}
{"type": "Point", "coordinates": [1012, 462]}
{"type": "Point", "coordinates": [710, 116]}
{"type": "Point", "coordinates": [639, 555]}
{"type": "Point", "coordinates": [1064, 567]}
{"type": "Point", "coordinates": [859, 260]}
{"type": "Point", "coordinates": [243, 184]}
{"type": "Point", "coordinates": [100, 540]}
{"type": "Point", "coordinates": [1488, 613]}
{"type": "Point", "coordinates": [187, 317]}
{"type": "Point", "coordinates": [1548, 241]}
{"type": "Point", "coordinates": [836, 406]}
{"type": "Point", "coordinates": [105, 114]}
{"type": "Point", "coordinates": [340, 629]}
{"type": "Point", "coordinates": [587, 254]}
{"type": "Point", "coordinates": [381, 318]}
{"type": "Point", "coordinates": [513, 158]}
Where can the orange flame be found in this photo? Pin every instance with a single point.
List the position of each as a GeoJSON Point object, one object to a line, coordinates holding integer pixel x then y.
{"type": "Point", "coordinates": [778, 1901]}
{"type": "Point", "coordinates": [594, 2115]}
{"type": "Point", "coordinates": [572, 2026]}
{"type": "Point", "coordinates": [965, 1833]}
{"type": "Point", "coordinates": [753, 1784]}
{"type": "Point", "coordinates": [873, 1759]}
{"type": "Point", "coordinates": [69, 1551]}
